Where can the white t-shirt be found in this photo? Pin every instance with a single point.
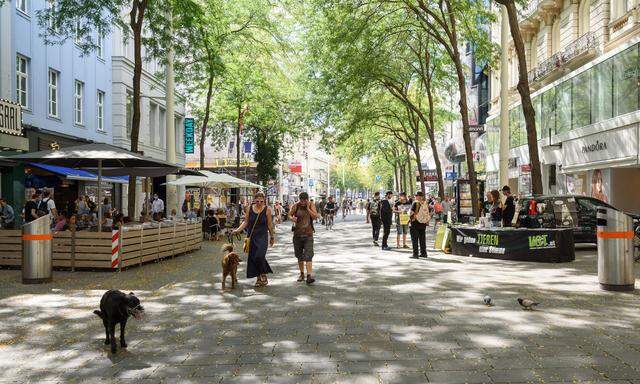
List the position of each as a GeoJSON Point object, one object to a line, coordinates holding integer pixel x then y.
{"type": "Point", "coordinates": [157, 206]}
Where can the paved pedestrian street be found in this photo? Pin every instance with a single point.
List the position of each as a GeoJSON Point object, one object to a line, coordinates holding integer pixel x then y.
{"type": "Point", "coordinates": [371, 317]}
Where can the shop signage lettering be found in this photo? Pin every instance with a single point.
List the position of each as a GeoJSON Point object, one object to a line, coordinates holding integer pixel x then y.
{"type": "Point", "coordinates": [466, 239]}
{"type": "Point", "coordinates": [490, 249]}
{"type": "Point", "coordinates": [189, 135]}
{"type": "Point", "coordinates": [513, 162]}
{"type": "Point", "coordinates": [487, 239]}
{"type": "Point", "coordinates": [540, 242]}
{"type": "Point", "coordinates": [597, 146]}
{"type": "Point", "coordinates": [10, 118]}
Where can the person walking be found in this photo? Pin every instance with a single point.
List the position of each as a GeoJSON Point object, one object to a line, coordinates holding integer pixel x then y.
{"type": "Point", "coordinates": [374, 213]}
{"type": "Point", "coordinates": [303, 214]}
{"type": "Point", "coordinates": [419, 216]}
{"type": "Point", "coordinates": [367, 208]}
{"type": "Point", "coordinates": [31, 209]}
{"type": "Point", "coordinates": [386, 216]}
{"type": "Point", "coordinates": [446, 207]}
{"type": "Point", "coordinates": [7, 214]}
{"type": "Point", "coordinates": [50, 205]}
{"type": "Point", "coordinates": [509, 208]}
{"type": "Point", "coordinates": [401, 209]}
{"type": "Point", "coordinates": [260, 235]}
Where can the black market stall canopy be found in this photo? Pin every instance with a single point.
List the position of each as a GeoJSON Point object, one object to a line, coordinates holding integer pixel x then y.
{"type": "Point", "coordinates": [106, 158]}
{"type": "Point", "coordinates": [548, 245]}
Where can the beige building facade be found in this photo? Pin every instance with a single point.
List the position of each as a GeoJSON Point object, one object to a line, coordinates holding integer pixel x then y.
{"type": "Point", "coordinates": [584, 72]}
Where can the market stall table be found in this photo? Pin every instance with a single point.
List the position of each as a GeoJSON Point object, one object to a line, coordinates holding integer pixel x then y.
{"type": "Point", "coordinates": [547, 245]}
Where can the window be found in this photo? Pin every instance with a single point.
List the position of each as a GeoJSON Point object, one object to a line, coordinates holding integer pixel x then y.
{"type": "Point", "coordinates": [625, 81]}
{"type": "Point", "coordinates": [563, 109]}
{"type": "Point", "coordinates": [619, 8]}
{"type": "Point", "coordinates": [53, 92]}
{"type": "Point", "coordinates": [584, 20]}
{"type": "Point", "coordinates": [21, 5]}
{"type": "Point", "coordinates": [78, 32]}
{"type": "Point", "coordinates": [179, 130]}
{"type": "Point", "coordinates": [51, 24]}
{"type": "Point", "coordinates": [581, 93]}
{"type": "Point", "coordinates": [514, 127]}
{"type": "Point", "coordinates": [162, 122]}
{"type": "Point", "coordinates": [537, 107]}
{"type": "Point", "coordinates": [22, 81]}
{"type": "Point", "coordinates": [129, 112]}
{"type": "Point", "coordinates": [78, 102]}
{"type": "Point", "coordinates": [100, 110]}
{"type": "Point", "coordinates": [153, 123]}
{"type": "Point", "coordinates": [602, 91]}
{"type": "Point", "coordinates": [555, 35]}
{"type": "Point", "coordinates": [100, 45]}
{"type": "Point", "coordinates": [549, 112]}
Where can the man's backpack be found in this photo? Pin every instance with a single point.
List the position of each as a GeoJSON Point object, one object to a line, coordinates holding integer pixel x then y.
{"type": "Point", "coordinates": [43, 208]}
{"type": "Point", "coordinates": [374, 208]}
{"type": "Point", "coordinates": [423, 214]}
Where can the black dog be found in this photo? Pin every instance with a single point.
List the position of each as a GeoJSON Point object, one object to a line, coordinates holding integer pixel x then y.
{"type": "Point", "coordinates": [116, 307]}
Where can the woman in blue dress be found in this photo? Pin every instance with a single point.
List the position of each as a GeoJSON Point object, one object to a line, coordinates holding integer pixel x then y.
{"type": "Point", "coordinates": [257, 222]}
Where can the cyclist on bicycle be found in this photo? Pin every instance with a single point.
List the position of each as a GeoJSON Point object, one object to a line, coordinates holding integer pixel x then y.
{"type": "Point", "coordinates": [329, 211]}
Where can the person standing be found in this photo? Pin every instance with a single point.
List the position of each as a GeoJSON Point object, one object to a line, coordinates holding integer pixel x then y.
{"type": "Point", "coordinates": [303, 214]}
{"type": "Point", "coordinates": [509, 209]}
{"type": "Point", "coordinates": [401, 209]}
{"type": "Point", "coordinates": [157, 207]}
{"type": "Point", "coordinates": [419, 216]}
{"type": "Point", "coordinates": [7, 214]}
{"type": "Point", "coordinates": [386, 216]}
{"type": "Point", "coordinates": [374, 213]}
{"type": "Point", "coordinates": [50, 205]}
{"type": "Point", "coordinates": [495, 208]}
{"type": "Point", "coordinates": [257, 219]}
{"type": "Point", "coordinates": [31, 209]}
{"type": "Point", "coordinates": [446, 207]}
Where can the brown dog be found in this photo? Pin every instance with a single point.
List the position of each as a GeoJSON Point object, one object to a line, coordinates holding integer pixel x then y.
{"type": "Point", "coordinates": [230, 263]}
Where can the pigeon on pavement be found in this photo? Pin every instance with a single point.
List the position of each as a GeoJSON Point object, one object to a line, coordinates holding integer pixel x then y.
{"type": "Point", "coordinates": [487, 301]}
{"type": "Point", "coordinates": [527, 304]}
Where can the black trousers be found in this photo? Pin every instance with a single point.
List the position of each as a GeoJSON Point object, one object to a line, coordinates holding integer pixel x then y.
{"type": "Point", "coordinates": [386, 230]}
{"type": "Point", "coordinates": [375, 225]}
{"type": "Point", "coordinates": [419, 238]}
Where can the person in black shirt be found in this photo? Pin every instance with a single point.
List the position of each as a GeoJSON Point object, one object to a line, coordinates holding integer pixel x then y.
{"type": "Point", "coordinates": [386, 215]}
{"type": "Point", "coordinates": [31, 209]}
{"type": "Point", "coordinates": [509, 209]}
{"type": "Point", "coordinates": [418, 229]}
{"type": "Point", "coordinates": [374, 214]}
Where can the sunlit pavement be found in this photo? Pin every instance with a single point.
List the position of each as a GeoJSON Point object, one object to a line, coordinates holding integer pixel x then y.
{"type": "Point", "coordinates": [371, 317]}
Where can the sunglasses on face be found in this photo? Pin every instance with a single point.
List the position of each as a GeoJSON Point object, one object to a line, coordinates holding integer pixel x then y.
{"type": "Point", "coordinates": [259, 201]}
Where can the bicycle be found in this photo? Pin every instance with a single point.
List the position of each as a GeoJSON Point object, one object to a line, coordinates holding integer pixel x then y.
{"type": "Point", "coordinates": [328, 220]}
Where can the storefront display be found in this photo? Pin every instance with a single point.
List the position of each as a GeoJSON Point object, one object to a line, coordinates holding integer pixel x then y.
{"type": "Point", "coordinates": [539, 245]}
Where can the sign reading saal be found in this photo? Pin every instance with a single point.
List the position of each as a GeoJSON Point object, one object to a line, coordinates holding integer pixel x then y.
{"type": "Point", "coordinates": [10, 118]}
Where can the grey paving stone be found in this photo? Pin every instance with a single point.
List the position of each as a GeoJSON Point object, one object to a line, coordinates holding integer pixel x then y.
{"type": "Point", "coordinates": [403, 378]}
{"type": "Point", "coordinates": [516, 375]}
{"type": "Point", "coordinates": [469, 377]}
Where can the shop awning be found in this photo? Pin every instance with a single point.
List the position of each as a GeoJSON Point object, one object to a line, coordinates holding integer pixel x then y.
{"type": "Point", "coordinates": [79, 174]}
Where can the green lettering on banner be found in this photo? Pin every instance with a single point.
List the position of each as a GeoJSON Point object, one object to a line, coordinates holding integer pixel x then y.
{"type": "Point", "coordinates": [538, 241]}
{"type": "Point", "coordinates": [487, 239]}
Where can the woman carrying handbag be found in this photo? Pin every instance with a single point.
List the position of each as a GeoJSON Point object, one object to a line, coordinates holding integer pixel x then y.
{"type": "Point", "coordinates": [260, 236]}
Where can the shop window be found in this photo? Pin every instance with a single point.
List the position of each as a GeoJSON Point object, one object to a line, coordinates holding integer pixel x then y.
{"type": "Point", "coordinates": [514, 127]}
{"type": "Point", "coordinates": [563, 107]}
{"type": "Point", "coordinates": [581, 112]}
{"type": "Point", "coordinates": [537, 106]}
{"type": "Point", "coordinates": [625, 81]}
{"type": "Point", "coordinates": [522, 127]}
{"type": "Point", "coordinates": [602, 91]}
{"type": "Point", "coordinates": [548, 115]}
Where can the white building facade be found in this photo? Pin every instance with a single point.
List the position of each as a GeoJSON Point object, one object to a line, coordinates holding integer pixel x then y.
{"type": "Point", "coordinates": [584, 71]}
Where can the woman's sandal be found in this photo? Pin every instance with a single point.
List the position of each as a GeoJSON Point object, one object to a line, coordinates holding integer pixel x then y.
{"type": "Point", "coordinates": [301, 278]}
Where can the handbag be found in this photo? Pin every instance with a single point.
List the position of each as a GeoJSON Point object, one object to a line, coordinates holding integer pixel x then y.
{"type": "Point", "coordinates": [247, 240]}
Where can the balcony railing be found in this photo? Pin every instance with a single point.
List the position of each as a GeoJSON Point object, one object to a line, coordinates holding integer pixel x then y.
{"type": "Point", "coordinates": [580, 46]}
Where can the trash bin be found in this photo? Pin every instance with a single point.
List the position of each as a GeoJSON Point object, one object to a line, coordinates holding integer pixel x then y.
{"type": "Point", "coordinates": [37, 263]}
{"type": "Point", "coordinates": [615, 250]}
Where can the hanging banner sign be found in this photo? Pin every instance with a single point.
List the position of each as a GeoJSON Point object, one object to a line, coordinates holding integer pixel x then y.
{"type": "Point", "coordinates": [189, 135]}
{"type": "Point", "coordinates": [295, 167]}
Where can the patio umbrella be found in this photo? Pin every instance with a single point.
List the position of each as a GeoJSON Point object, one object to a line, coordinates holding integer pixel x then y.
{"type": "Point", "coordinates": [99, 156]}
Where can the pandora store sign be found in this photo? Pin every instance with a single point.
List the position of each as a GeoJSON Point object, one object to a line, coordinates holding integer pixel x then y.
{"type": "Point", "coordinates": [617, 144]}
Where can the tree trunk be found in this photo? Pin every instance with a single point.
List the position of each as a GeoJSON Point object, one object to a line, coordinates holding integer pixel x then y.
{"type": "Point", "coordinates": [396, 176]}
{"type": "Point", "coordinates": [464, 113]}
{"type": "Point", "coordinates": [410, 176]}
{"type": "Point", "coordinates": [430, 132]}
{"type": "Point", "coordinates": [525, 96]}
{"type": "Point", "coordinates": [135, 22]}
